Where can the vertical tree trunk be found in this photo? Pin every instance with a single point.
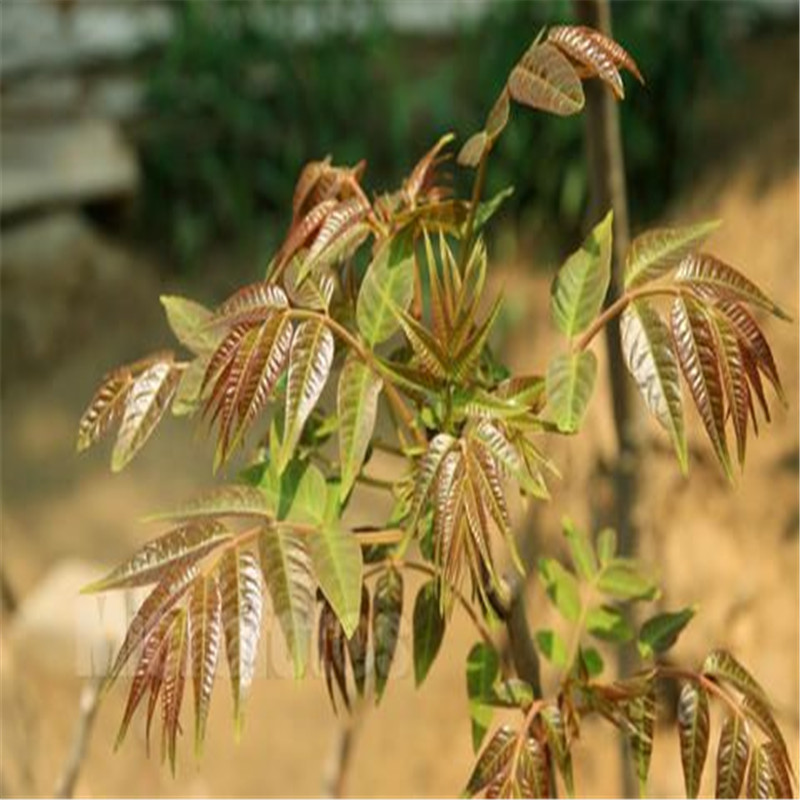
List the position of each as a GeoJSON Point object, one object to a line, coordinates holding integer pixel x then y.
{"type": "Point", "coordinates": [606, 167]}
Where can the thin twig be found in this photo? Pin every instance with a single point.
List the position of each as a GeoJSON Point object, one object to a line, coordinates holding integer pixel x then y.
{"type": "Point", "coordinates": [89, 703]}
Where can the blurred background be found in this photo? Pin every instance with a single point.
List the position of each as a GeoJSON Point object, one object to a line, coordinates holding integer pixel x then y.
{"type": "Point", "coordinates": [152, 147]}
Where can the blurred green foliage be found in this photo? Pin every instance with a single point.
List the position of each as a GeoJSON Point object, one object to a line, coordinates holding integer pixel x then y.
{"type": "Point", "coordinates": [245, 94]}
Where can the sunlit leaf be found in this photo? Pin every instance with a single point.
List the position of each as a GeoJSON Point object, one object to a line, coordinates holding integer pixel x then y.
{"type": "Point", "coordinates": [641, 713]}
{"type": "Point", "coordinates": [336, 558]}
{"type": "Point", "coordinates": [105, 408]}
{"type": "Point", "coordinates": [693, 731]}
{"type": "Point", "coordinates": [357, 404]}
{"type": "Point", "coordinates": [388, 287]}
{"type": "Point", "coordinates": [242, 601]}
{"type": "Point", "coordinates": [545, 79]}
{"type": "Point", "coordinates": [656, 252]}
{"type": "Point", "coordinates": [582, 281]}
{"type": "Point", "coordinates": [650, 358]}
{"type": "Point", "coordinates": [624, 579]}
{"type": "Point", "coordinates": [582, 46]}
{"type": "Point", "coordinates": [533, 771]}
{"type": "Point", "coordinates": [288, 575]}
{"type": "Point", "coordinates": [472, 151]}
{"type": "Point", "coordinates": [761, 714]}
{"type": "Point", "coordinates": [310, 360]}
{"type": "Point", "coordinates": [580, 549]}
{"type": "Point", "coordinates": [205, 635]}
{"type": "Point", "coordinates": [224, 501]}
{"type": "Point", "coordinates": [552, 647]}
{"type": "Point", "coordinates": [174, 682]}
{"type": "Point", "coordinates": [608, 624]}
{"type": "Point", "coordinates": [570, 381]}
{"type": "Point", "coordinates": [189, 322]}
{"type": "Point", "coordinates": [428, 624]}
{"type": "Point", "coordinates": [145, 404]}
{"type": "Point", "coordinates": [251, 305]}
{"type": "Point", "coordinates": [180, 546]}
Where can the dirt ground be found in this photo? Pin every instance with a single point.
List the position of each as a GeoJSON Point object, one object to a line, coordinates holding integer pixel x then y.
{"type": "Point", "coordinates": [732, 551]}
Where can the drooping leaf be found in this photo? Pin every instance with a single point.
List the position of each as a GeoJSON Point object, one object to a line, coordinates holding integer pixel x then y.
{"type": "Point", "coordinates": [428, 624]}
{"type": "Point", "coordinates": [545, 79]}
{"type": "Point", "coordinates": [483, 668]}
{"type": "Point", "coordinates": [164, 597]}
{"type": "Point", "coordinates": [338, 223]}
{"type": "Point", "coordinates": [497, 118]}
{"type": "Point", "coordinates": [310, 360]}
{"type": "Point", "coordinates": [105, 408]}
{"type": "Point", "coordinates": [190, 323]}
{"type": "Point", "coordinates": [660, 632]}
{"type": "Point", "coordinates": [561, 587]}
{"type": "Point", "coordinates": [507, 456]}
{"type": "Point", "coordinates": [174, 682]}
{"type": "Point", "coordinates": [748, 329]}
{"type": "Point", "coordinates": [570, 381]}
{"type": "Point", "coordinates": [186, 544]}
{"type": "Point", "coordinates": [721, 665]}
{"type": "Point", "coordinates": [426, 473]}
{"type": "Point", "coordinates": [188, 395]}
{"type": "Point", "coordinates": [205, 635]}
{"type": "Point", "coordinates": [388, 287]}
{"type": "Point", "coordinates": [493, 760]}
{"type": "Point", "coordinates": [242, 601]}
{"type": "Point", "coordinates": [617, 52]}
{"type": "Point", "coordinates": [336, 558]}
{"type": "Point", "coordinates": [707, 272]}
{"type": "Point", "coordinates": [582, 281]}
{"type": "Point", "coordinates": [733, 753]}
{"type": "Point", "coordinates": [641, 713]}
{"type": "Point", "coordinates": [693, 731]}
{"type": "Point", "coordinates": [556, 732]}
{"type": "Point", "coordinates": [387, 609]}
{"type": "Point", "coordinates": [647, 350]}
{"type": "Point", "coordinates": [761, 714]}
{"type": "Point", "coordinates": [761, 782]}
{"type": "Point", "coordinates": [331, 644]}
{"type": "Point", "coordinates": [697, 355]}
{"type": "Point", "coordinates": [473, 149]}
{"type": "Point", "coordinates": [236, 500]}
{"type": "Point", "coordinates": [488, 208]}
{"type": "Point", "coordinates": [357, 644]}
{"type": "Point", "coordinates": [357, 404]}
{"type": "Point", "coordinates": [780, 768]}
{"type": "Point", "coordinates": [147, 670]}
{"type": "Point", "coordinates": [580, 45]}
{"type": "Point", "coordinates": [286, 566]}
{"type": "Point", "coordinates": [145, 404]}
{"type": "Point", "coordinates": [533, 771]}
{"type": "Point", "coordinates": [656, 252]}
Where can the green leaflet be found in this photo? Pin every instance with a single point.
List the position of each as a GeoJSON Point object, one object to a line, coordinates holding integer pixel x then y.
{"type": "Point", "coordinates": [190, 324]}
{"type": "Point", "coordinates": [656, 252]}
{"type": "Point", "coordinates": [582, 282]}
{"type": "Point", "coordinates": [310, 360]}
{"type": "Point", "coordinates": [660, 632]}
{"type": "Point", "coordinates": [336, 558]}
{"type": "Point", "coordinates": [608, 624]}
{"type": "Point", "coordinates": [648, 352]}
{"type": "Point", "coordinates": [428, 624]}
{"type": "Point", "coordinates": [561, 587]}
{"type": "Point", "coordinates": [388, 286]}
{"type": "Point", "coordinates": [623, 579]}
{"type": "Point", "coordinates": [580, 550]}
{"type": "Point", "coordinates": [490, 207]}
{"type": "Point", "coordinates": [286, 566]}
{"type": "Point", "coordinates": [720, 664]}
{"type": "Point", "coordinates": [357, 404]}
{"type": "Point", "coordinates": [224, 501]}
{"type": "Point", "coordinates": [732, 755]}
{"type": "Point", "coordinates": [483, 668]}
{"type": "Point", "coordinates": [552, 647]}
{"type": "Point", "coordinates": [570, 381]}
